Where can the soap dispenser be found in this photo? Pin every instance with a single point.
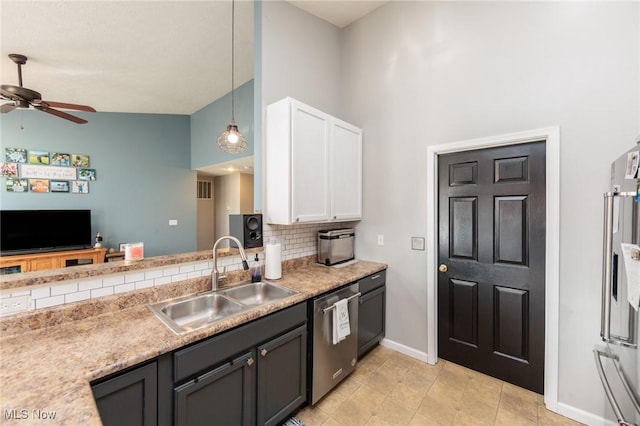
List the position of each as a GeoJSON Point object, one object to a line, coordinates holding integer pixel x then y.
{"type": "Point", "coordinates": [256, 270]}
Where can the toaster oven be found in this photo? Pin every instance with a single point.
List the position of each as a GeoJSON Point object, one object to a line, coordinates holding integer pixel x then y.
{"type": "Point", "coordinates": [336, 246]}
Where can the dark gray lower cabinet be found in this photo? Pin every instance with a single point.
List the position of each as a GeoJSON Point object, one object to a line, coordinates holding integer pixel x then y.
{"type": "Point", "coordinates": [130, 398]}
{"type": "Point", "coordinates": [222, 396]}
{"type": "Point", "coordinates": [253, 374]}
{"type": "Point", "coordinates": [371, 313]}
{"type": "Point", "coordinates": [282, 367]}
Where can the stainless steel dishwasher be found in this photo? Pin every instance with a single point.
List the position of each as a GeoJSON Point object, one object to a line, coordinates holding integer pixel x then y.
{"type": "Point", "coordinates": [332, 363]}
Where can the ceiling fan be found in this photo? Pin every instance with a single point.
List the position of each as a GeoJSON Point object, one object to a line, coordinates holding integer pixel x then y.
{"type": "Point", "coordinates": [21, 97]}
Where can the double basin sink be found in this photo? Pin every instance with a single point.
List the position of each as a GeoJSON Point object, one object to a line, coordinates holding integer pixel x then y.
{"type": "Point", "coordinates": [188, 313]}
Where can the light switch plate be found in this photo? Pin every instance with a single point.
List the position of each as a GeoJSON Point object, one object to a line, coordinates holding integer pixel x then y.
{"type": "Point", "coordinates": [417, 243]}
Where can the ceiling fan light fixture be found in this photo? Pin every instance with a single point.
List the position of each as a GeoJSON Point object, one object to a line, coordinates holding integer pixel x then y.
{"type": "Point", "coordinates": [231, 140]}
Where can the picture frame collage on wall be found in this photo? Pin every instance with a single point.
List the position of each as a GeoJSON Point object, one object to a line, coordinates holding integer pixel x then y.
{"type": "Point", "coordinates": [38, 171]}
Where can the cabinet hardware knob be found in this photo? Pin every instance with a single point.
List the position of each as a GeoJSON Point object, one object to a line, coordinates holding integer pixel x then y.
{"type": "Point", "coordinates": [250, 362]}
{"type": "Point", "coordinates": [443, 268]}
{"type": "Point", "coordinates": [335, 217]}
{"type": "Point", "coordinates": [263, 352]}
{"type": "Point", "coordinates": [297, 219]}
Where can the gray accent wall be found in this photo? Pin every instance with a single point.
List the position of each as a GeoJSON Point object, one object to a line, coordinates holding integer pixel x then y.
{"type": "Point", "coordinates": [143, 170]}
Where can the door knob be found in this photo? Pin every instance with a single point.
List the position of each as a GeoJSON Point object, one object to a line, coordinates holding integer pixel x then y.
{"type": "Point", "coordinates": [443, 268]}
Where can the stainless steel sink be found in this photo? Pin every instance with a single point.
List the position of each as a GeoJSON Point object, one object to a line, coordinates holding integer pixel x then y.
{"type": "Point", "coordinates": [188, 313]}
{"type": "Point", "coordinates": [256, 294]}
{"type": "Point", "coordinates": [191, 312]}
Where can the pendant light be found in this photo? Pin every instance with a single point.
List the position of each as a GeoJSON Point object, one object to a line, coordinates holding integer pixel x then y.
{"type": "Point", "coordinates": [231, 140]}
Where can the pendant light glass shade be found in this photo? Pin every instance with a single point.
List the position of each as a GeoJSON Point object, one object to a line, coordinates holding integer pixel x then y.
{"type": "Point", "coordinates": [231, 140]}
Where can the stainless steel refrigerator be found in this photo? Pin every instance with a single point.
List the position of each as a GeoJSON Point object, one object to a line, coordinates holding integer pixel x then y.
{"type": "Point", "coordinates": [618, 359]}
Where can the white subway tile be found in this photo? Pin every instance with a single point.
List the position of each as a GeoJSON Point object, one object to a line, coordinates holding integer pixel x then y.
{"type": "Point", "coordinates": [76, 297]}
{"type": "Point", "coordinates": [49, 301]}
{"type": "Point", "coordinates": [170, 271]}
{"type": "Point", "coordinates": [89, 284]}
{"type": "Point", "coordinates": [132, 277]}
{"type": "Point", "coordinates": [178, 277]}
{"type": "Point", "coordinates": [201, 266]}
{"type": "Point", "coordinates": [20, 293]}
{"type": "Point", "coordinates": [99, 292]}
{"type": "Point", "coordinates": [194, 274]}
{"type": "Point", "coordinates": [162, 281]}
{"type": "Point", "coordinates": [153, 274]}
{"type": "Point", "coordinates": [187, 268]}
{"type": "Point", "coordinates": [113, 280]}
{"type": "Point", "coordinates": [39, 293]}
{"type": "Point", "coordinates": [123, 288]}
{"type": "Point", "coordinates": [144, 284]}
{"type": "Point", "coordinates": [64, 289]}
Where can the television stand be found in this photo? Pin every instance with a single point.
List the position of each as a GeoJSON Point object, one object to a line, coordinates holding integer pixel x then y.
{"type": "Point", "coordinates": [50, 260]}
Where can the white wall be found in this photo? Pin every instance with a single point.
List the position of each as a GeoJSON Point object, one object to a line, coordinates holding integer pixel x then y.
{"type": "Point", "coordinates": [424, 73]}
{"type": "Point", "coordinates": [300, 57]}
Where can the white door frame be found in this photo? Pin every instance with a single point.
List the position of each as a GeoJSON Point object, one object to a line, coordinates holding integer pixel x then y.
{"type": "Point", "coordinates": [551, 136]}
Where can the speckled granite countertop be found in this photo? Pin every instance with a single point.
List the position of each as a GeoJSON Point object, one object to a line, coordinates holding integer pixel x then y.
{"type": "Point", "coordinates": [50, 368]}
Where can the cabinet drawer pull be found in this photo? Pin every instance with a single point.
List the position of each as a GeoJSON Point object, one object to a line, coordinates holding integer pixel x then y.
{"type": "Point", "coordinates": [250, 362]}
{"type": "Point", "coordinates": [375, 277]}
{"type": "Point", "coordinates": [263, 352]}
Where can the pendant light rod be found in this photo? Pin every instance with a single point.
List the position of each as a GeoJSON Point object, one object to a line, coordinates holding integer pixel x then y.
{"type": "Point", "coordinates": [233, 20]}
{"type": "Point", "coordinates": [232, 140]}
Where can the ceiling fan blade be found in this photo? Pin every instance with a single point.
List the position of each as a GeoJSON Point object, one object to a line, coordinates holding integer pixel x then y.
{"type": "Point", "coordinates": [7, 108]}
{"type": "Point", "coordinates": [64, 105]}
{"type": "Point", "coordinates": [62, 114]}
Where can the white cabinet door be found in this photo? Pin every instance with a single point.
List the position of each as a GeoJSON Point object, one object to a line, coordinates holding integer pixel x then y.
{"type": "Point", "coordinates": [313, 166]}
{"type": "Point", "coordinates": [346, 171]}
{"type": "Point", "coordinates": [310, 134]}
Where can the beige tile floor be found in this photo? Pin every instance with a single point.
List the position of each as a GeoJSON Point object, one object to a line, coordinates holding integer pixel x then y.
{"type": "Point", "coordinates": [390, 388]}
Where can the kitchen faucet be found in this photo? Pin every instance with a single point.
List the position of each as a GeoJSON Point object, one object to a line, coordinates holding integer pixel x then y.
{"type": "Point", "coordinates": [215, 275]}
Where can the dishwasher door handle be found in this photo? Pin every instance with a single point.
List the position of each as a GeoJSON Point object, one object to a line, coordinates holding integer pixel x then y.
{"type": "Point", "coordinates": [325, 310]}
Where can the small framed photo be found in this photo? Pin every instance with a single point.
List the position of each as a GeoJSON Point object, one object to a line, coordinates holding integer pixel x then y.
{"type": "Point", "coordinates": [60, 159]}
{"type": "Point", "coordinates": [59, 186]}
{"type": "Point", "coordinates": [122, 247]}
{"type": "Point", "coordinates": [39, 185]}
{"type": "Point", "coordinates": [17, 185]}
{"type": "Point", "coordinates": [39, 157]}
{"type": "Point", "coordinates": [15, 155]}
{"type": "Point", "coordinates": [86, 174]}
{"type": "Point", "coordinates": [79, 160]}
{"type": "Point", "coordinates": [79, 187]}
{"type": "Point", "coordinates": [9, 169]}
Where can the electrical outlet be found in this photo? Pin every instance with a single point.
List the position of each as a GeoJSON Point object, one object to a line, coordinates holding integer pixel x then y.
{"type": "Point", "coordinates": [380, 240]}
{"type": "Point", "coordinates": [173, 222]}
{"type": "Point", "coordinates": [11, 305]}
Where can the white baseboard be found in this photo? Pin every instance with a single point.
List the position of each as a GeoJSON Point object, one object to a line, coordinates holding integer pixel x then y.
{"type": "Point", "coordinates": [413, 353]}
{"type": "Point", "coordinates": [584, 417]}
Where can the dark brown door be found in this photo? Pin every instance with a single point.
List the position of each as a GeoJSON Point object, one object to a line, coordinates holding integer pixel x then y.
{"type": "Point", "coordinates": [491, 262]}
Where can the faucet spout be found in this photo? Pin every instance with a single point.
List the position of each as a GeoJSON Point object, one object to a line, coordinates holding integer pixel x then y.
{"type": "Point", "coordinates": [215, 275]}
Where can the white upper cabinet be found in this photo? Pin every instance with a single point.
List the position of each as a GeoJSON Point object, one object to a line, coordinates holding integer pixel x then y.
{"type": "Point", "coordinates": [313, 168]}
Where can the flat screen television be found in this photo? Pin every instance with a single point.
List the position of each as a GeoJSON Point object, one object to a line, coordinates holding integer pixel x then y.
{"type": "Point", "coordinates": [33, 231]}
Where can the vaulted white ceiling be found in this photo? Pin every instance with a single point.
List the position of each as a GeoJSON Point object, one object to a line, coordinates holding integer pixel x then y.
{"type": "Point", "coordinates": [171, 57]}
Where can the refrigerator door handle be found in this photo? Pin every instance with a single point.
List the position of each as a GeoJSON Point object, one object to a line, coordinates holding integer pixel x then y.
{"type": "Point", "coordinates": [608, 274]}
{"type": "Point", "coordinates": [635, 399]}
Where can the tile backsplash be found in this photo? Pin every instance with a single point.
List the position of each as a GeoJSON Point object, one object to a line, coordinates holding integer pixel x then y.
{"type": "Point", "coordinates": [297, 241]}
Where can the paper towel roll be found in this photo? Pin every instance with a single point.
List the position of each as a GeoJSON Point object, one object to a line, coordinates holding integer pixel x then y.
{"type": "Point", "coordinates": [273, 265]}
